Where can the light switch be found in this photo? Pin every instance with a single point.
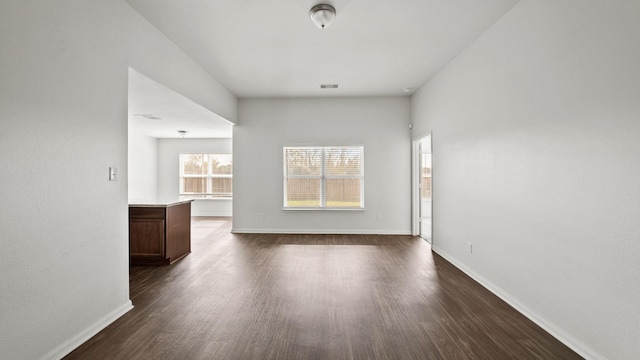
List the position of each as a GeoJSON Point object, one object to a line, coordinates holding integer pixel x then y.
{"type": "Point", "coordinates": [113, 174]}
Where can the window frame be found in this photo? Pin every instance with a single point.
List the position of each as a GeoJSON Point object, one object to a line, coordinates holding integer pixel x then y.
{"type": "Point", "coordinates": [209, 176]}
{"type": "Point", "coordinates": [323, 177]}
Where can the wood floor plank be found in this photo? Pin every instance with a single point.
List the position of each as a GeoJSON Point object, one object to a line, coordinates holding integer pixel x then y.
{"type": "Point", "coordinates": [284, 296]}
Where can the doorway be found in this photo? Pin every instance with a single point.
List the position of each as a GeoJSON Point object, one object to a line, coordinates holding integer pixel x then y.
{"type": "Point", "coordinates": [422, 189]}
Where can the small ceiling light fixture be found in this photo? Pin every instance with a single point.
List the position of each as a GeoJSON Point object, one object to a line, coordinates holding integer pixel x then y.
{"type": "Point", "coordinates": [183, 133]}
{"type": "Point", "coordinates": [322, 15]}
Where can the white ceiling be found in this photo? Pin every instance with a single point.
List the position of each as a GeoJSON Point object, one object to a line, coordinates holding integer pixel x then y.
{"type": "Point", "coordinates": [159, 112]}
{"type": "Point", "coordinates": [270, 48]}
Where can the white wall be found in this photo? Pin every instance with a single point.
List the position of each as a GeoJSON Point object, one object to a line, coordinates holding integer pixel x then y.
{"type": "Point", "coordinates": [63, 123]}
{"type": "Point", "coordinates": [169, 151]}
{"type": "Point", "coordinates": [142, 168]}
{"type": "Point", "coordinates": [380, 124]}
{"type": "Point", "coordinates": [63, 233]}
{"type": "Point", "coordinates": [156, 57]}
{"type": "Point", "coordinates": [536, 158]}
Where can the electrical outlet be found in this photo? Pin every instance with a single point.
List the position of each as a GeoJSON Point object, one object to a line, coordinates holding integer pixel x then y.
{"type": "Point", "coordinates": [470, 247]}
{"type": "Point", "coordinates": [379, 217]}
{"type": "Point", "coordinates": [263, 216]}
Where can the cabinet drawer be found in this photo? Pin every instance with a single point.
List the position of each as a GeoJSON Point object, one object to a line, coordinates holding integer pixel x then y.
{"type": "Point", "coordinates": [146, 213]}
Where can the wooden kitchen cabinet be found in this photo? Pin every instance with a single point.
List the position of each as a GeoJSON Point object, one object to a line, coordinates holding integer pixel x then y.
{"type": "Point", "coordinates": [159, 233]}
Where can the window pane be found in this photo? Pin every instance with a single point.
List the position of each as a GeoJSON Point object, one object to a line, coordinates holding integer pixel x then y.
{"type": "Point", "coordinates": [426, 176]}
{"type": "Point", "coordinates": [221, 186]}
{"type": "Point", "coordinates": [221, 164]}
{"type": "Point", "coordinates": [194, 185]}
{"type": "Point", "coordinates": [329, 177]}
{"type": "Point", "coordinates": [195, 164]}
{"type": "Point", "coordinates": [303, 161]}
{"type": "Point", "coordinates": [206, 174]}
{"type": "Point", "coordinates": [303, 192]}
{"type": "Point", "coordinates": [343, 192]}
{"type": "Point", "coordinates": [343, 161]}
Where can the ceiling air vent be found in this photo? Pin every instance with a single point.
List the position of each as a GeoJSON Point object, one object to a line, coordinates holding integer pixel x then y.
{"type": "Point", "coordinates": [148, 116]}
{"type": "Point", "coordinates": [329, 86]}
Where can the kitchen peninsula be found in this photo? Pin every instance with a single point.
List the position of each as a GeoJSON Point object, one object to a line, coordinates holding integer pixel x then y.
{"type": "Point", "coordinates": [159, 232]}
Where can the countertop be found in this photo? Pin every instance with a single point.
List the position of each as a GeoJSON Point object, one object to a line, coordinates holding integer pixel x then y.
{"type": "Point", "coordinates": [157, 202]}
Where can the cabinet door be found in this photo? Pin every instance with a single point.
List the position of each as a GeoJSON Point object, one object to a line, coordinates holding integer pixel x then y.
{"type": "Point", "coordinates": [146, 237]}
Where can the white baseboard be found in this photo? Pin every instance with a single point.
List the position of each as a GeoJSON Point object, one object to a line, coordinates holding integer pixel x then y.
{"type": "Point", "coordinates": [319, 232]}
{"type": "Point", "coordinates": [571, 342]}
{"type": "Point", "coordinates": [68, 346]}
{"type": "Point", "coordinates": [211, 214]}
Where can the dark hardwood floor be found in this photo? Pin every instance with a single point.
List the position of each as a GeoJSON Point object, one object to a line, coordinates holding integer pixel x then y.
{"type": "Point", "coordinates": [314, 297]}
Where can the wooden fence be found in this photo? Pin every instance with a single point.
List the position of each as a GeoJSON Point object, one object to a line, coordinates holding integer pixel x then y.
{"type": "Point", "coordinates": [337, 190]}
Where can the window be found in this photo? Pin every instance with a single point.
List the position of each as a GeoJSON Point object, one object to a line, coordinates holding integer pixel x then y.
{"type": "Point", "coordinates": [324, 177]}
{"type": "Point", "coordinates": [205, 175]}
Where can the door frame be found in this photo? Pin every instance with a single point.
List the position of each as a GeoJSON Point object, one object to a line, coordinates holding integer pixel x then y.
{"type": "Point", "coordinates": [415, 184]}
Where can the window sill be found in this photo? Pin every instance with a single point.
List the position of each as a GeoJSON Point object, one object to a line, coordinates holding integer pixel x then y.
{"type": "Point", "coordinates": [205, 198]}
{"type": "Point", "coordinates": [322, 209]}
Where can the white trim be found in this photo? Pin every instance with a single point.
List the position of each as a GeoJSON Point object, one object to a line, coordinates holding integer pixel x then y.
{"type": "Point", "coordinates": [574, 344]}
{"type": "Point", "coordinates": [320, 232]}
{"type": "Point", "coordinates": [416, 158]}
{"type": "Point", "coordinates": [68, 346]}
{"type": "Point", "coordinates": [333, 208]}
{"type": "Point", "coordinates": [415, 192]}
{"type": "Point", "coordinates": [212, 214]}
{"type": "Point", "coordinates": [205, 199]}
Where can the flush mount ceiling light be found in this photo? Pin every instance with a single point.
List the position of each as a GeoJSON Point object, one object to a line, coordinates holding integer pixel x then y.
{"type": "Point", "coordinates": [322, 15]}
{"type": "Point", "coordinates": [183, 133]}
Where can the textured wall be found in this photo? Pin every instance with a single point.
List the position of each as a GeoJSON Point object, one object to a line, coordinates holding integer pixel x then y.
{"type": "Point", "coordinates": [63, 123]}
{"type": "Point", "coordinates": [379, 124]}
{"type": "Point", "coordinates": [142, 168]}
{"type": "Point", "coordinates": [535, 145]}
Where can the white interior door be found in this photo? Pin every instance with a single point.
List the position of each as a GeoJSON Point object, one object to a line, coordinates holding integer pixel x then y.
{"type": "Point", "coordinates": [423, 188]}
{"type": "Point", "coordinates": [425, 195]}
